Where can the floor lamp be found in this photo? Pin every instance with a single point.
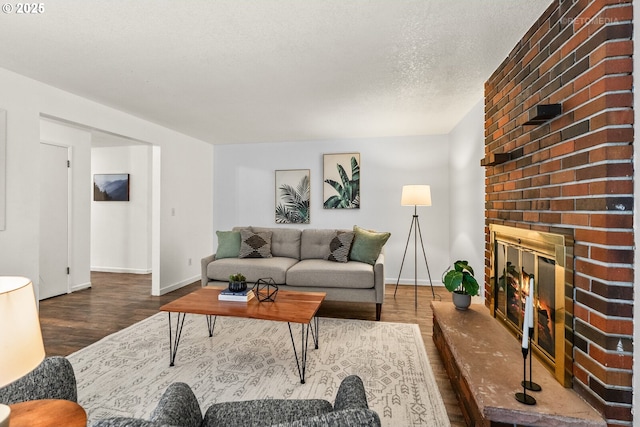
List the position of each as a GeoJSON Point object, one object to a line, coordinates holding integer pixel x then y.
{"type": "Point", "coordinates": [415, 195]}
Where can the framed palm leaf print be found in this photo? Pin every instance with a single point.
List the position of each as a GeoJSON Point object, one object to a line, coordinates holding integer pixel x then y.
{"type": "Point", "coordinates": [342, 181]}
{"type": "Point", "coordinates": [293, 193]}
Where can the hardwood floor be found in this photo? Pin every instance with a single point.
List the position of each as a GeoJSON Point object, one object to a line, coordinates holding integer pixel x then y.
{"type": "Point", "coordinates": [115, 301]}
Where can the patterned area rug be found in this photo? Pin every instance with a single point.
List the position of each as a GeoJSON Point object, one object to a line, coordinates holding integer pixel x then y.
{"type": "Point", "coordinates": [125, 373]}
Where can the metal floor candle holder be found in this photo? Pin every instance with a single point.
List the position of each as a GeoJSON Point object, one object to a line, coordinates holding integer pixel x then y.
{"type": "Point", "coordinates": [530, 385]}
{"type": "Point", "coordinates": [524, 397]}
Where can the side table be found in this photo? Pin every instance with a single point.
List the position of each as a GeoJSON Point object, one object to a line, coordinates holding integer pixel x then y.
{"type": "Point", "coordinates": [47, 413]}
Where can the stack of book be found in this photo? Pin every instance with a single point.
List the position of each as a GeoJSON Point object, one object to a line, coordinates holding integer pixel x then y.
{"type": "Point", "coordinates": [243, 296]}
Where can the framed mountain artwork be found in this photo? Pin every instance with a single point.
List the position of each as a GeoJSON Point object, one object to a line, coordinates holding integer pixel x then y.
{"type": "Point", "coordinates": [111, 187]}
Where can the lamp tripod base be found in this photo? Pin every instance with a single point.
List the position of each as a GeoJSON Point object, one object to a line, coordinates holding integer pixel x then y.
{"type": "Point", "coordinates": [415, 227]}
{"type": "Point", "coordinates": [525, 398]}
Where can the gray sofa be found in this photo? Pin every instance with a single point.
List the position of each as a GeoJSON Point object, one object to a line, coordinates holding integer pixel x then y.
{"type": "Point", "coordinates": [179, 407]}
{"type": "Point", "coordinates": [298, 263]}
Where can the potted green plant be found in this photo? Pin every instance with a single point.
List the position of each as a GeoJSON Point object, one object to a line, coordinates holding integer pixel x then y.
{"type": "Point", "coordinates": [460, 282]}
{"type": "Point", "coordinates": [237, 283]}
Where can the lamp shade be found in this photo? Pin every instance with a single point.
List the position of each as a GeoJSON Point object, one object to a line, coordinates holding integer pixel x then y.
{"type": "Point", "coordinates": [21, 346]}
{"type": "Point", "coordinates": [416, 195]}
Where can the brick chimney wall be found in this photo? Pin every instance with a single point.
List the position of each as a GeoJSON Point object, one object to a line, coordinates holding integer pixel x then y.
{"type": "Point", "coordinates": [574, 175]}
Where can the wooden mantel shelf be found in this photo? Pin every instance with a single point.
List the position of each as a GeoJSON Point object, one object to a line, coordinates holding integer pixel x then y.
{"type": "Point", "coordinates": [484, 363]}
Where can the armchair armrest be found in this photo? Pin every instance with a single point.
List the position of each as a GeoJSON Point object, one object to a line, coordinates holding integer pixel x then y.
{"type": "Point", "coordinates": [52, 379]}
{"type": "Point", "coordinates": [124, 422]}
{"type": "Point", "coordinates": [204, 262]}
{"type": "Point", "coordinates": [178, 406]}
{"type": "Point", "coordinates": [351, 394]}
{"type": "Point", "coordinates": [346, 417]}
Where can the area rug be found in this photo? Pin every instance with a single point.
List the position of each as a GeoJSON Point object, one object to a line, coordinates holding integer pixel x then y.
{"type": "Point", "coordinates": [125, 373]}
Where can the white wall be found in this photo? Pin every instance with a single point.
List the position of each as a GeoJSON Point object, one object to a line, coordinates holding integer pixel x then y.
{"type": "Point", "coordinates": [244, 192]}
{"type": "Point", "coordinates": [467, 190]}
{"type": "Point", "coordinates": [186, 179]}
{"type": "Point", "coordinates": [121, 231]}
{"type": "Point", "coordinates": [80, 142]}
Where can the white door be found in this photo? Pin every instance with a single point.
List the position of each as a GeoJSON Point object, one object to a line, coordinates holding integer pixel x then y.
{"type": "Point", "coordinates": [54, 214]}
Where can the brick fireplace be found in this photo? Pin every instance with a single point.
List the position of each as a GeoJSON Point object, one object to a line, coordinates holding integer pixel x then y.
{"type": "Point", "coordinates": [573, 175]}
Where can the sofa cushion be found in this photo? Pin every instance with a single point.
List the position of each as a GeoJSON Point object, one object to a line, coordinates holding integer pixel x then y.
{"type": "Point", "coordinates": [255, 245]}
{"type": "Point", "coordinates": [263, 412]}
{"type": "Point", "coordinates": [284, 241]}
{"type": "Point", "coordinates": [314, 243]}
{"type": "Point", "coordinates": [367, 245]}
{"type": "Point", "coordinates": [252, 268]}
{"type": "Point", "coordinates": [328, 274]}
{"type": "Point", "coordinates": [340, 246]}
{"type": "Point", "coordinates": [228, 244]}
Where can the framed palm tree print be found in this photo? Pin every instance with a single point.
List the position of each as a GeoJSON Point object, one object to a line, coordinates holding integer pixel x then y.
{"type": "Point", "coordinates": [342, 181]}
{"type": "Point", "coordinates": [293, 193]}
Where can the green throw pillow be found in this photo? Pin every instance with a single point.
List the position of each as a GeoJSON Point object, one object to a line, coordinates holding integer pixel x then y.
{"type": "Point", "coordinates": [367, 245]}
{"type": "Point", "coordinates": [228, 244]}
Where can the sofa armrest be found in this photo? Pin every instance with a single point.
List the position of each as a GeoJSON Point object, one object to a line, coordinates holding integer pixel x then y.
{"type": "Point", "coordinates": [52, 379]}
{"type": "Point", "coordinates": [378, 278]}
{"type": "Point", "coordinates": [346, 417]}
{"type": "Point", "coordinates": [178, 406]}
{"type": "Point", "coordinates": [351, 394]}
{"type": "Point", "coordinates": [204, 263]}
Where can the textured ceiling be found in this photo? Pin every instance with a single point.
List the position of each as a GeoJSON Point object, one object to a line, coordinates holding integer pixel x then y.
{"type": "Point", "coordinates": [228, 71]}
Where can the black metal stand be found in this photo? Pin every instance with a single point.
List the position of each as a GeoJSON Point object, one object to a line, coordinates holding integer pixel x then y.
{"type": "Point", "coordinates": [173, 344]}
{"type": "Point", "coordinates": [301, 361]}
{"type": "Point", "coordinates": [211, 324]}
{"type": "Point", "coordinates": [530, 385]}
{"type": "Point", "coordinates": [524, 397]}
{"type": "Point", "coordinates": [417, 232]}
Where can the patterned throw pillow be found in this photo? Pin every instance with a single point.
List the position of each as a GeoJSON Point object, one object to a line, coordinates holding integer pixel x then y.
{"type": "Point", "coordinates": [340, 246]}
{"type": "Point", "coordinates": [255, 245]}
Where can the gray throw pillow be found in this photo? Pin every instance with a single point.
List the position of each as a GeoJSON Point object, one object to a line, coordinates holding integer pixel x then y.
{"type": "Point", "coordinates": [367, 245]}
{"type": "Point", "coordinates": [228, 244]}
{"type": "Point", "coordinates": [340, 246]}
{"type": "Point", "coordinates": [255, 245]}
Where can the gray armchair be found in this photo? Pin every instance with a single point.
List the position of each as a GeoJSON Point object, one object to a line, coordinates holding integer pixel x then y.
{"type": "Point", "coordinates": [52, 379]}
{"type": "Point", "coordinates": [178, 406]}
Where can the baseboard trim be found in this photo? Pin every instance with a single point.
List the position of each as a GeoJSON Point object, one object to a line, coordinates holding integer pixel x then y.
{"type": "Point", "coordinates": [421, 282]}
{"type": "Point", "coordinates": [80, 286]}
{"type": "Point", "coordinates": [178, 285]}
{"type": "Point", "coordinates": [121, 270]}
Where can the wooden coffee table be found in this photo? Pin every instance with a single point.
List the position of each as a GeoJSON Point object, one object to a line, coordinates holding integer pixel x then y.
{"type": "Point", "coordinates": [290, 307]}
{"type": "Point", "coordinates": [47, 413]}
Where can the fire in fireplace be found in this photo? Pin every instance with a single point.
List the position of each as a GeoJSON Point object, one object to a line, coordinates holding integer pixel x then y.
{"type": "Point", "coordinates": [525, 259]}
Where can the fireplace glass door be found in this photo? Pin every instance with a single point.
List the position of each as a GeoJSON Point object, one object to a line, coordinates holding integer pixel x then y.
{"type": "Point", "coordinates": [516, 270]}
{"type": "Point", "coordinates": [522, 260]}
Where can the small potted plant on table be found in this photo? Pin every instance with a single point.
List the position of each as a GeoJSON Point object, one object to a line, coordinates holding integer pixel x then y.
{"type": "Point", "coordinates": [461, 283]}
{"type": "Point", "coordinates": [237, 283]}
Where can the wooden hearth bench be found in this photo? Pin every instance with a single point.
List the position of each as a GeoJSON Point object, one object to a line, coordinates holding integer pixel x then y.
{"type": "Point", "coordinates": [484, 363]}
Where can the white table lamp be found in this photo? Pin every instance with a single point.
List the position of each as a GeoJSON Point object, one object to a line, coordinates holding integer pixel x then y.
{"type": "Point", "coordinates": [21, 345]}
